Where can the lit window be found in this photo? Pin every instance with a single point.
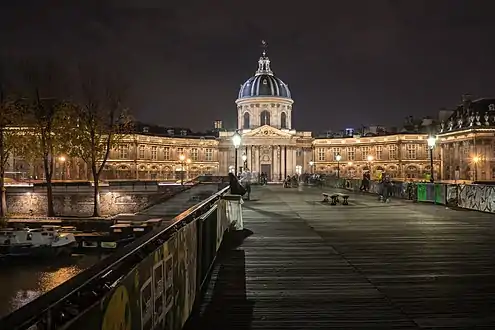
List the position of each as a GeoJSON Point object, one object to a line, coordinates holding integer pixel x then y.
{"type": "Point", "coordinates": [154, 153]}
{"type": "Point", "coordinates": [209, 155]}
{"type": "Point", "coordinates": [321, 154]}
{"type": "Point", "coordinates": [194, 154]}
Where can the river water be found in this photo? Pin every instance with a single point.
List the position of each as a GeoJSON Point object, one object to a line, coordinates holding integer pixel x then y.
{"type": "Point", "coordinates": [22, 281]}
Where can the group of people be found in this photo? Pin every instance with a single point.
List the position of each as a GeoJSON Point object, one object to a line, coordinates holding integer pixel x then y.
{"type": "Point", "coordinates": [385, 185]}
{"type": "Point", "coordinates": [291, 181]}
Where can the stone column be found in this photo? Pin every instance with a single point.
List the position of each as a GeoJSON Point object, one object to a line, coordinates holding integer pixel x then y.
{"type": "Point", "coordinates": [288, 156]}
{"type": "Point", "coordinates": [294, 160]}
{"type": "Point", "coordinates": [285, 161]}
{"type": "Point", "coordinates": [255, 160]}
{"type": "Point", "coordinates": [280, 162]}
{"type": "Point", "coordinates": [274, 163]}
{"type": "Point", "coordinates": [249, 155]}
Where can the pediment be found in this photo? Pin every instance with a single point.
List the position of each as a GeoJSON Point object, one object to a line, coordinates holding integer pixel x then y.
{"type": "Point", "coordinates": [267, 131]}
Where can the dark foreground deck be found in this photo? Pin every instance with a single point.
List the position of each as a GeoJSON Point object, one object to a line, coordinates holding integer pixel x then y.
{"type": "Point", "coordinates": [307, 265]}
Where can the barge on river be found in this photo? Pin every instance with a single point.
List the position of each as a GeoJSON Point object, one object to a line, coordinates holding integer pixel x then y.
{"type": "Point", "coordinates": [47, 241]}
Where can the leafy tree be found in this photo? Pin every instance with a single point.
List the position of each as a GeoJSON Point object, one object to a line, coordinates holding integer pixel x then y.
{"type": "Point", "coordinates": [100, 122]}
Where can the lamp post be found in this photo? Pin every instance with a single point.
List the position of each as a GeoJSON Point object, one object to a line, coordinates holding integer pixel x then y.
{"type": "Point", "coordinates": [370, 159]}
{"type": "Point", "coordinates": [476, 160]}
{"type": "Point", "coordinates": [244, 161]}
{"type": "Point", "coordinates": [182, 158]}
{"type": "Point", "coordinates": [236, 140]}
{"type": "Point", "coordinates": [188, 168]}
{"type": "Point", "coordinates": [432, 140]}
{"type": "Point", "coordinates": [338, 157]}
{"type": "Point", "coordinates": [311, 164]}
{"type": "Point", "coordinates": [62, 160]}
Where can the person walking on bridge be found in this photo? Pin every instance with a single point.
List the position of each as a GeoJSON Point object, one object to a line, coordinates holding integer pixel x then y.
{"type": "Point", "coordinates": [246, 181]}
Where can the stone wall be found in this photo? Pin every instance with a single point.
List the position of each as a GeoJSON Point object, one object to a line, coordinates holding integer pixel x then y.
{"type": "Point", "coordinates": [32, 201]}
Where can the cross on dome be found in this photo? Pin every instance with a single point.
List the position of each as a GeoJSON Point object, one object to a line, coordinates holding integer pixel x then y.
{"type": "Point", "coordinates": [264, 61]}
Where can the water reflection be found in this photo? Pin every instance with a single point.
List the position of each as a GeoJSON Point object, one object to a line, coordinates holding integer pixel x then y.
{"type": "Point", "coordinates": [22, 281]}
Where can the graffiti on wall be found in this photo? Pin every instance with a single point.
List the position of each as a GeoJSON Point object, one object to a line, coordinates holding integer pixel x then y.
{"type": "Point", "coordinates": [477, 197]}
{"type": "Point", "coordinates": [158, 293]}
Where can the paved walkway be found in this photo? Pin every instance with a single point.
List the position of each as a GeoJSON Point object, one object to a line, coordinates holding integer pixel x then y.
{"type": "Point", "coordinates": [308, 265]}
{"type": "Point", "coordinates": [175, 205]}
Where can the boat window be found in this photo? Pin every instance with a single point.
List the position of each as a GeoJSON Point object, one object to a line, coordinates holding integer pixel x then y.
{"type": "Point", "coordinates": [51, 234]}
{"type": "Point", "coordinates": [44, 234]}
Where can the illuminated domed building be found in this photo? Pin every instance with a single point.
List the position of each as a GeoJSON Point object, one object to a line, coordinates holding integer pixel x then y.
{"type": "Point", "coordinates": [269, 144]}
{"type": "Point", "coordinates": [264, 116]}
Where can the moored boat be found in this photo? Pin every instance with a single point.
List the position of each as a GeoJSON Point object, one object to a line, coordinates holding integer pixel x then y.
{"type": "Point", "coordinates": [47, 241]}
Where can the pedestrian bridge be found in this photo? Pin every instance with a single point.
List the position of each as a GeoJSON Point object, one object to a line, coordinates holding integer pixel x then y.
{"type": "Point", "coordinates": [298, 264]}
{"type": "Point", "coordinates": [308, 265]}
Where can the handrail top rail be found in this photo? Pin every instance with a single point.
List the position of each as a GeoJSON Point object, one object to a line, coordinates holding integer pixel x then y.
{"type": "Point", "coordinates": [45, 302]}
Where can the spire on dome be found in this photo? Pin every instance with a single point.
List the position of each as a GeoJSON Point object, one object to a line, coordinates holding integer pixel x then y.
{"type": "Point", "coordinates": [264, 61]}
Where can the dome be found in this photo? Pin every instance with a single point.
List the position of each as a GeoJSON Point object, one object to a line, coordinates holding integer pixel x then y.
{"type": "Point", "coordinates": [264, 83]}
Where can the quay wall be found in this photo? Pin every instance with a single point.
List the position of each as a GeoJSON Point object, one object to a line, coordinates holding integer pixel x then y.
{"type": "Point", "coordinates": [77, 200]}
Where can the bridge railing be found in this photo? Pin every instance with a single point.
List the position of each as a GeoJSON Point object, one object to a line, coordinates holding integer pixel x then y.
{"type": "Point", "coordinates": [150, 284]}
{"type": "Point", "coordinates": [438, 193]}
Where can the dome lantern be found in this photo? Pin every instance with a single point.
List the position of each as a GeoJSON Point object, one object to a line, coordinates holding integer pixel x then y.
{"type": "Point", "coordinates": [264, 83]}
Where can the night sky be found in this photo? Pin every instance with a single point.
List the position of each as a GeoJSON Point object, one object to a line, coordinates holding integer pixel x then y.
{"type": "Point", "coordinates": [347, 63]}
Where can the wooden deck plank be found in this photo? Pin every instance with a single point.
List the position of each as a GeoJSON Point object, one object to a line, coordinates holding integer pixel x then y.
{"type": "Point", "coordinates": [368, 265]}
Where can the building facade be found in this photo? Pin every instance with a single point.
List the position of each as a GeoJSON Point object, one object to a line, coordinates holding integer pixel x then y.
{"type": "Point", "coordinates": [467, 141]}
{"type": "Point", "coordinates": [271, 145]}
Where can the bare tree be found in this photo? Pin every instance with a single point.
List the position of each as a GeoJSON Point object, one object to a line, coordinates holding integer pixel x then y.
{"type": "Point", "coordinates": [9, 115]}
{"type": "Point", "coordinates": [46, 121]}
{"type": "Point", "coordinates": [99, 123]}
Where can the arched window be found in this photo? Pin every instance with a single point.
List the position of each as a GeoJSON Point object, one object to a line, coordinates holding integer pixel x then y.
{"type": "Point", "coordinates": [246, 123]}
{"type": "Point", "coordinates": [283, 120]}
{"type": "Point", "coordinates": [264, 118]}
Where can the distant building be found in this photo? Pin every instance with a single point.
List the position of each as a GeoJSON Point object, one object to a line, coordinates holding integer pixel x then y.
{"type": "Point", "coordinates": [467, 141]}
{"type": "Point", "coordinates": [272, 145]}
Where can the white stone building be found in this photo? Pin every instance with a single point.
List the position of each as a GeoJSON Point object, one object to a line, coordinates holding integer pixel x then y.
{"type": "Point", "coordinates": [269, 141]}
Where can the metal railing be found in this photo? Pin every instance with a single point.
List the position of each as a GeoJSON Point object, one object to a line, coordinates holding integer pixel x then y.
{"type": "Point", "coordinates": [183, 253]}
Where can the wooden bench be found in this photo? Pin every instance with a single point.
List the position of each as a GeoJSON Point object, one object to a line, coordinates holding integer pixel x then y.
{"type": "Point", "coordinates": [335, 198]}
{"type": "Point", "coordinates": [345, 198]}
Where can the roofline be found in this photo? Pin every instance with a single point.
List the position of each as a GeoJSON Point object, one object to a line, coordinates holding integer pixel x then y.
{"type": "Point", "coordinates": [262, 98]}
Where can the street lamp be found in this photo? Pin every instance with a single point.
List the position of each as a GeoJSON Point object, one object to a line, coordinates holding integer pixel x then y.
{"type": "Point", "coordinates": [370, 159]}
{"type": "Point", "coordinates": [182, 158]}
{"type": "Point", "coordinates": [338, 157]}
{"type": "Point", "coordinates": [62, 160]}
{"type": "Point", "coordinates": [432, 140]}
{"type": "Point", "coordinates": [244, 160]}
{"type": "Point", "coordinates": [476, 160]}
{"type": "Point", "coordinates": [188, 168]}
{"type": "Point", "coordinates": [236, 140]}
{"type": "Point", "coordinates": [311, 164]}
